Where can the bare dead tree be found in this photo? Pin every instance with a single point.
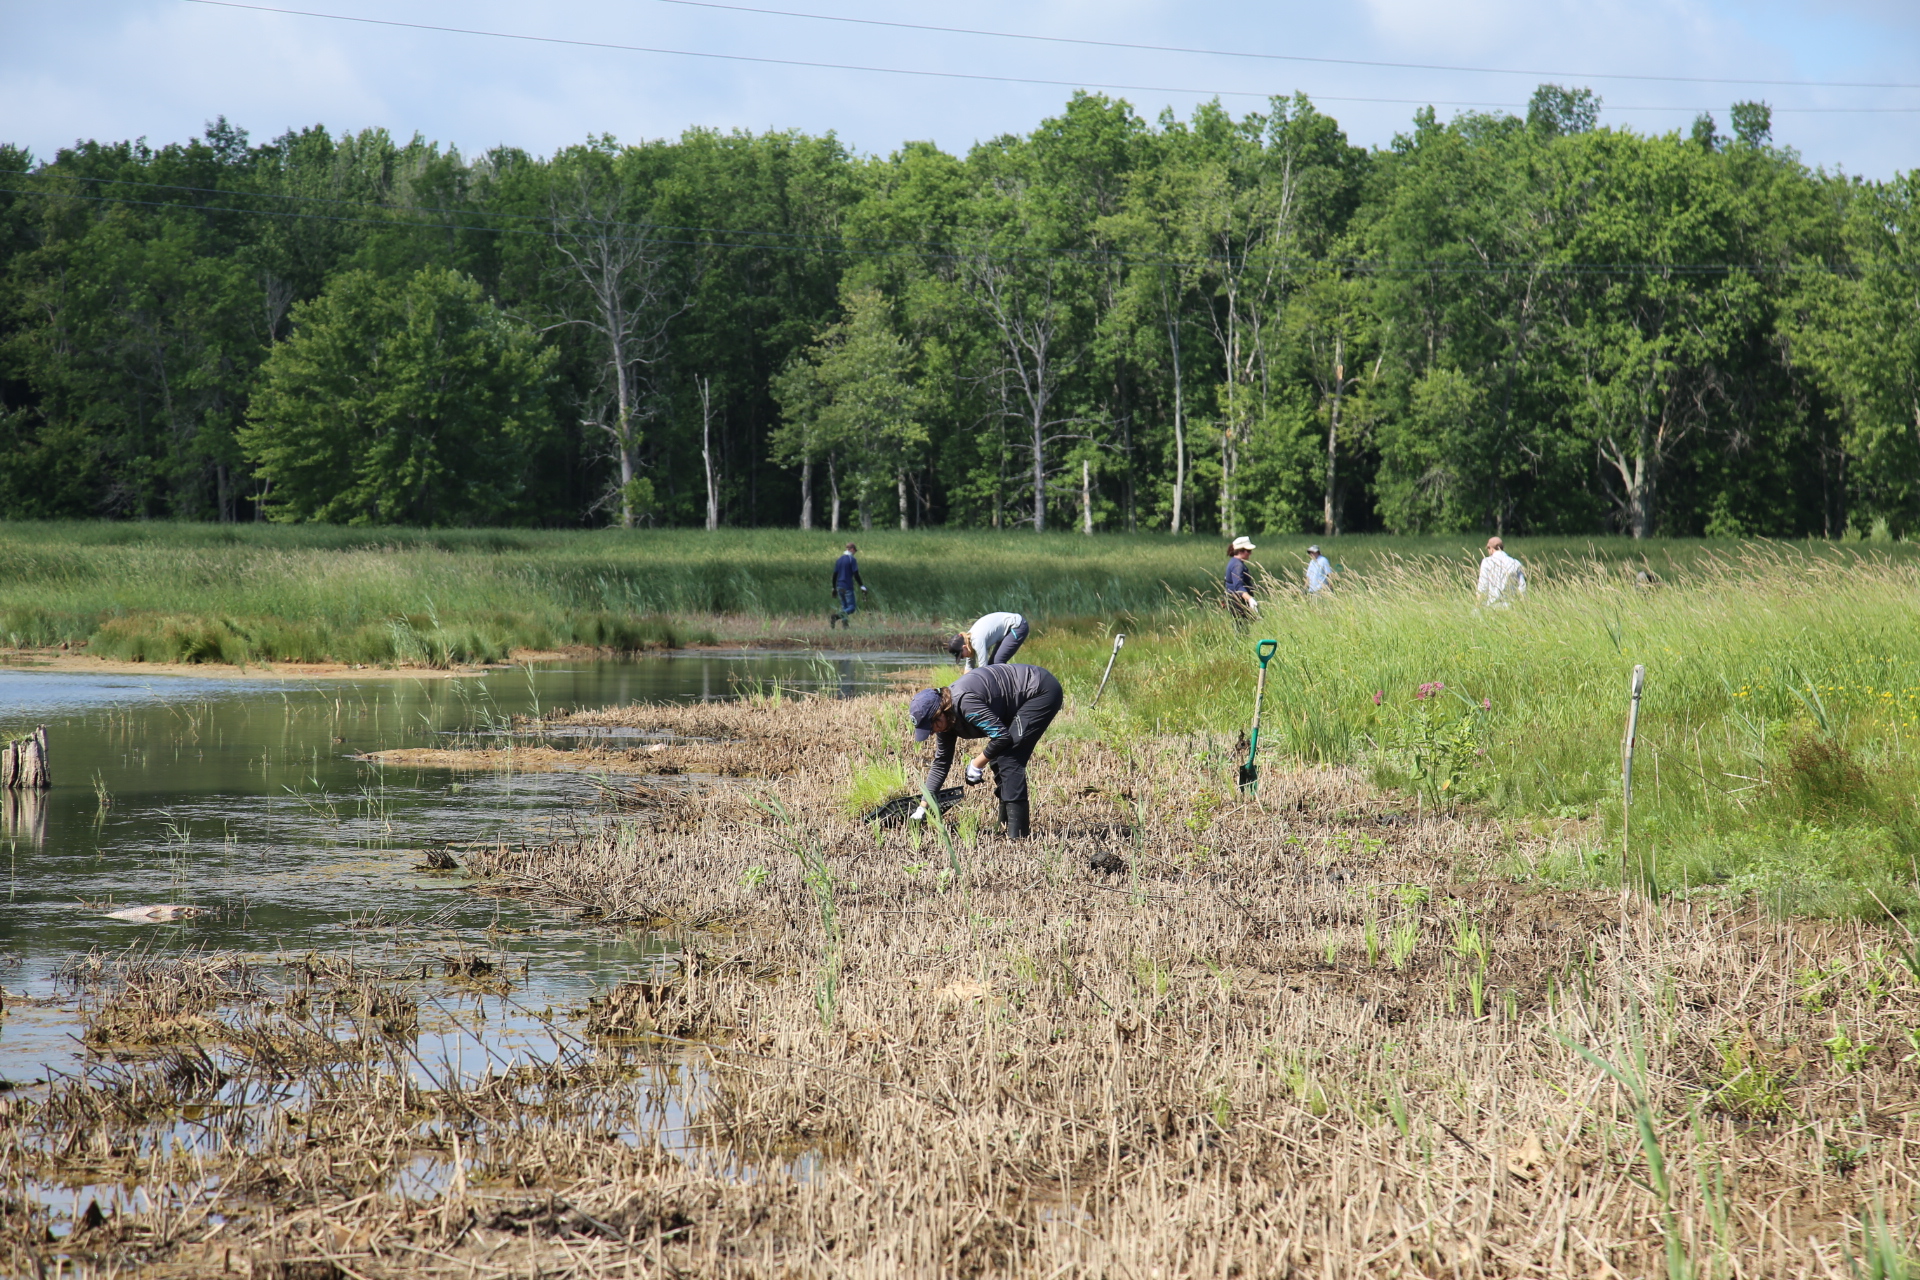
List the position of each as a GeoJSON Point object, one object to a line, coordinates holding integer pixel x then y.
{"type": "Point", "coordinates": [1170, 312]}
{"type": "Point", "coordinates": [624, 295]}
{"type": "Point", "coordinates": [1028, 319]}
{"type": "Point", "coordinates": [706, 452]}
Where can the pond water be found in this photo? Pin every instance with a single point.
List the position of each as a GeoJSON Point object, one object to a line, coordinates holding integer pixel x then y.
{"type": "Point", "coordinates": [242, 796]}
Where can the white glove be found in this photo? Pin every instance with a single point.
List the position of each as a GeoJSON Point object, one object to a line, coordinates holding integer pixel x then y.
{"type": "Point", "coordinates": [975, 775]}
{"type": "Point", "coordinates": [920, 814]}
{"type": "Point", "coordinates": [863, 590]}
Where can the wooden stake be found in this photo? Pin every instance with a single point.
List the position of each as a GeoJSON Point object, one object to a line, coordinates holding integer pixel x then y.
{"type": "Point", "coordinates": [1626, 759]}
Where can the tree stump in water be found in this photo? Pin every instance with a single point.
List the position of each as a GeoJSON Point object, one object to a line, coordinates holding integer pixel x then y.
{"type": "Point", "coordinates": [23, 764]}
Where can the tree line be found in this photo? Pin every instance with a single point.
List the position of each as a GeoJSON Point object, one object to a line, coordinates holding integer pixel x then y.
{"type": "Point", "coordinates": [1219, 324]}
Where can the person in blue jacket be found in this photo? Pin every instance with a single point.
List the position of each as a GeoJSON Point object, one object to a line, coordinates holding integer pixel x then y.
{"type": "Point", "coordinates": [1010, 704]}
{"type": "Point", "coordinates": [846, 576]}
{"type": "Point", "coordinates": [1239, 580]}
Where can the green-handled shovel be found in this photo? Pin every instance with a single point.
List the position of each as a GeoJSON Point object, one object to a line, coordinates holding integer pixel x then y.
{"type": "Point", "coordinates": [1250, 772]}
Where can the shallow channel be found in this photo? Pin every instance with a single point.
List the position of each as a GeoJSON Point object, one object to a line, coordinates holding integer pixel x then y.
{"type": "Point", "coordinates": [241, 795]}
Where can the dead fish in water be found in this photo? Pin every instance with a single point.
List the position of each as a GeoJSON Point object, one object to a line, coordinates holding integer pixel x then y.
{"type": "Point", "coordinates": [156, 914]}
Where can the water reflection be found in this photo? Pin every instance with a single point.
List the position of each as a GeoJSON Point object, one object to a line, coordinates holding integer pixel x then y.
{"type": "Point", "coordinates": [23, 818]}
{"type": "Point", "coordinates": [242, 796]}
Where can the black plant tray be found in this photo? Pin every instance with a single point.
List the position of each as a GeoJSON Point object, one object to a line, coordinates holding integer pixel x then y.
{"type": "Point", "coordinates": [896, 811]}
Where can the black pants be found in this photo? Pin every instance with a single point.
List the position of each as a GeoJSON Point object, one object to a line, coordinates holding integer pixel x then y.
{"type": "Point", "coordinates": [1010, 643]}
{"type": "Point", "coordinates": [1029, 725]}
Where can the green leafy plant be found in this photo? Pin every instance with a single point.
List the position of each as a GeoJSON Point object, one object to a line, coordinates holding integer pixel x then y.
{"type": "Point", "coordinates": [955, 872]}
{"type": "Point", "coordinates": [1438, 743]}
{"type": "Point", "coordinates": [1749, 1086]}
{"type": "Point", "coordinates": [1848, 1054]}
{"type": "Point", "coordinates": [1816, 989]}
{"type": "Point", "coordinates": [1469, 944]}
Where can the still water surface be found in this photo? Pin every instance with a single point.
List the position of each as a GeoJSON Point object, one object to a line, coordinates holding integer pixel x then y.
{"type": "Point", "coordinates": [242, 796]}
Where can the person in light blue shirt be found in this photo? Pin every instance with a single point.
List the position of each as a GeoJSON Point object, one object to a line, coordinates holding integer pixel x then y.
{"type": "Point", "coordinates": [1319, 569]}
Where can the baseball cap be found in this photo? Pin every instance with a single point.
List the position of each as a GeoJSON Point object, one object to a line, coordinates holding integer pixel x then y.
{"type": "Point", "coordinates": [1243, 543]}
{"type": "Point", "coordinates": [924, 707]}
{"type": "Point", "coordinates": [1315, 549]}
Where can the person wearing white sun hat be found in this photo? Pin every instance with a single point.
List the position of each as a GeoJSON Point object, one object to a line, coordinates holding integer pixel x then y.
{"type": "Point", "coordinates": [1240, 579]}
{"type": "Point", "coordinates": [1319, 569]}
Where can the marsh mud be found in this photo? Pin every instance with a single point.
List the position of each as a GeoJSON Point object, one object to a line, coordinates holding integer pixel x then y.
{"type": "Point", "coordinates": [1181, 1032]}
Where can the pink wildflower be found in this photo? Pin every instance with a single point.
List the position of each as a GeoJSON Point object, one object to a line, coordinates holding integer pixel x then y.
{"type": "Point", "coordinates": [1377, 695]}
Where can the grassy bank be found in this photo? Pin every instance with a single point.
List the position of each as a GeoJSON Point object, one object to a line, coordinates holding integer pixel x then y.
{"type": "Point", "coordinates": [1777, 734]}
{"type": "Point", "coordinates": [212, 593]}
{"type": "Point", "coordinates": [1776, 743]}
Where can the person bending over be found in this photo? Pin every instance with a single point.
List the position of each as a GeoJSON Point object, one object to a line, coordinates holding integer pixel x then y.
{"type": "Point", "coordinates": [1010, 704]}
{"type": "Point", "coordinates": [996, 637]}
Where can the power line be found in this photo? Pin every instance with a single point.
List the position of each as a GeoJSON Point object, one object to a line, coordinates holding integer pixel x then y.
{"type": "Point", "coordinates": [1285, 57]}
{"type": "Point", "coordinates": [954, 253]}
{"type": "Point", "coordinates": [943, 75]}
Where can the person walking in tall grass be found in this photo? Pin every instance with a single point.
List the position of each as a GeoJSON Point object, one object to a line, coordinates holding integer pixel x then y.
{"type": "Point", "coordinates": [1010, 704]}
{"type": "Point", "coordinates": [846, 576]}
{"type": "Point", "coordinates": [1502, 578]}
{"type": "Point", "coordinates": [1319, 570]}
{"type": "Point", "coordinates": [1239, 581]}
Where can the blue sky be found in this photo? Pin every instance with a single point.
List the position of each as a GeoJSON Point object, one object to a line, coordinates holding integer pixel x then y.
{"type": "Point", "coordinates": [114, 69]}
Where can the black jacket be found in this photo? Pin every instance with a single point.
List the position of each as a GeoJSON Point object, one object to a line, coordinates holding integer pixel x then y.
{"type": "Point", "coordinates": [987, 701]}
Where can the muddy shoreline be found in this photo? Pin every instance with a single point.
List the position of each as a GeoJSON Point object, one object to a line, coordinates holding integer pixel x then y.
{"type": "Point", "coordinates": [1182, 1031]}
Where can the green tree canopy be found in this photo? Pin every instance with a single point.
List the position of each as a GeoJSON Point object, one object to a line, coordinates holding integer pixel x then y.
{"type": "Point", "coordinates": [1514, 322]}
{"type": "Point", "coordinates": [851, 401]}
{"type": "Point", "coordinates": [411, 401]}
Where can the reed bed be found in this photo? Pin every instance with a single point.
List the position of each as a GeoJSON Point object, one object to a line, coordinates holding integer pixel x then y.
{"type": "Point", "coordinates": [1777, 735]}
{"type": "Point", "coordinates": [1323, 1031]}
{"type": "Point", "coordinates": [212, 593]}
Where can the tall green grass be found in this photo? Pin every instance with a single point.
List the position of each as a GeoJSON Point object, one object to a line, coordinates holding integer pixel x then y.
{"type": "Point", "coordinates": [1776, 745]}
{"type": "Point", "coordinates": [1777, 734]}
{"type": "Point", "coordinates": [233, 592]}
